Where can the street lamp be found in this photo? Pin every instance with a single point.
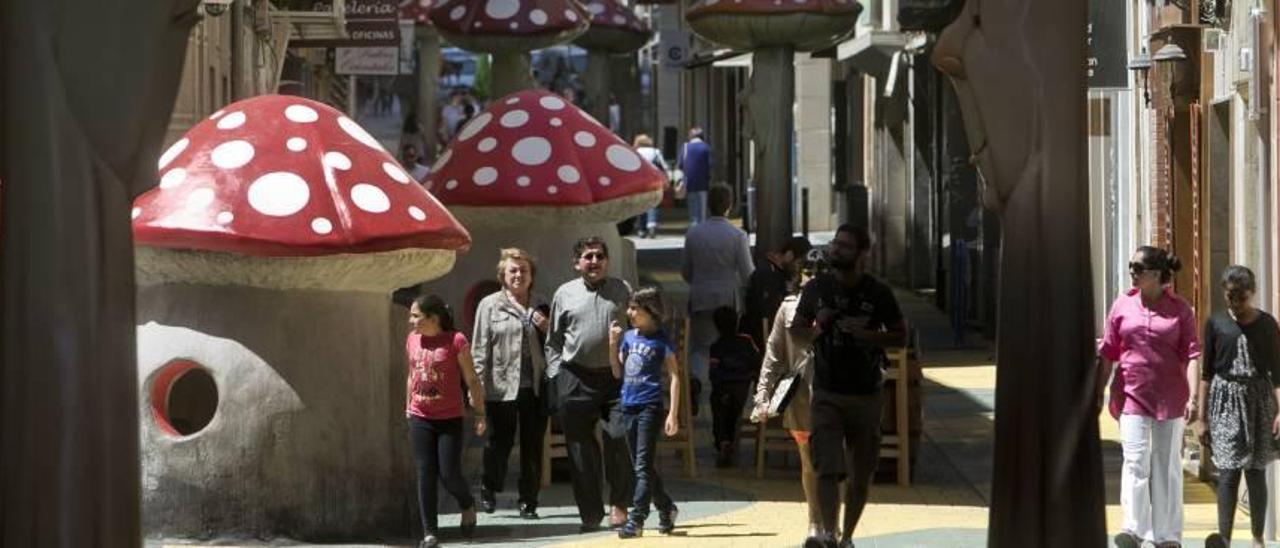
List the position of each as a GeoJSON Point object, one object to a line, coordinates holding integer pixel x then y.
{"type": "Point", "coordinates": [1142, 65]}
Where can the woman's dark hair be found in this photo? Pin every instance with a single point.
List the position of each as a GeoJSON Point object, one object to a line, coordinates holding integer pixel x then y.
{"type": "Point", "coordinates": [726, 320]}
{"type": "Point", "coordinates": [1154, 258]}
{"type": "Point", "coordinates": [432, 305]}
{"type": "Point", "coordinates": [650, 300]}
{"type": "Point", "coordinates": [1239, 277]}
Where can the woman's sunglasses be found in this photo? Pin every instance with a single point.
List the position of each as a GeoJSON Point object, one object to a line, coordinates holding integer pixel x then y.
{"type": "Point", "coordinates": [1138, 269]}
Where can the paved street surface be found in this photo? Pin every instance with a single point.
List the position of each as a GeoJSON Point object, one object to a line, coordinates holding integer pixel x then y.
{"type": "Point", "coordinates": [945, 506]}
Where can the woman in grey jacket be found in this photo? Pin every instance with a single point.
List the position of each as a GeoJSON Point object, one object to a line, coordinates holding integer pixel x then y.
{"type": "Point", "coordinates": [507, 347]}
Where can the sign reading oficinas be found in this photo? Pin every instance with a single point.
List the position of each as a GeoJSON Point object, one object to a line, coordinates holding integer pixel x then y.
{"type": "Point", "coordinates": [370, 23]}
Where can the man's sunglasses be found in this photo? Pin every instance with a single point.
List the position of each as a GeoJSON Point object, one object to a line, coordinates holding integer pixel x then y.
{"type": "Point", "coordinates": [594, 256]}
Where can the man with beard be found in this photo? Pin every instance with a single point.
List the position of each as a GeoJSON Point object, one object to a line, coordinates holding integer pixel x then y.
{"type": "Point", "coordinates": [853, 316]}
{"type": "Point", "coordinates": [578, 362]}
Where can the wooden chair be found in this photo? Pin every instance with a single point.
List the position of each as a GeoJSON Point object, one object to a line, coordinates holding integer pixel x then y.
{"type": "Point", "coordinates": [553, 446]}
{"type": "Point", "coordinates": [897, 445]}
{"type": "Point", "coordinates": [769, 435]}
{"type": "Point", "coordinates": [683, 441]}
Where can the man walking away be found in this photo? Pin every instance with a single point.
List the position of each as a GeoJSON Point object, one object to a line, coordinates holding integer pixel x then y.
{"type": "Point", "coordinates": [695, 162]}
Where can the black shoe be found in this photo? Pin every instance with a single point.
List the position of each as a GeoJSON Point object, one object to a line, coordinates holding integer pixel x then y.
{"type": "Point", "coordinates": [1215, 540]}
{"type": "Point", "coordinates": [724, 458]}
{"type": "Point", "coordinates": [846, 543]}
{"type": "Point", "coordinates": [667, 520]}
{"type": "Point", "coordinates": [528, 511]}
{"type": "Point", "coordinates": [487, 501]}
{"type": "Point", "coordinates": [631, 529]}
{"type": "Point", "coordinates": [1127, 540]}
{"type": "Point", "coordinates": [589, 527]}
{"type": "Point", "coordinates": [823, 541]}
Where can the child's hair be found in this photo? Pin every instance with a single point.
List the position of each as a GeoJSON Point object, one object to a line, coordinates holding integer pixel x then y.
{"type": "Point", "coordinates": [726, 320]}
{"type": "Point", "coordinates": [1240, 277]}
{"type": "Point", "coordinates": [649, 299]}
{"type": "Point", "coordinates": [432, 305]}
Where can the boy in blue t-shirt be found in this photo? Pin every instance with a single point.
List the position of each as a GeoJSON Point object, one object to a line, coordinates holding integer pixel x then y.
{"type": "Point", "coordinates": [638, 357]}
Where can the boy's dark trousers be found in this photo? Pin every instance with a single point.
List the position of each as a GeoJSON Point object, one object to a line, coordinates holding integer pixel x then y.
{"type": "Point", "coordinates": [644, 423]}
{"type": "Point", "coordinates": [727, 401]}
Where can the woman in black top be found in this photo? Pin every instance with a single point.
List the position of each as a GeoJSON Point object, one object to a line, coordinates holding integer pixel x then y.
{"type": "Point", "coordinates": [1241, 365]}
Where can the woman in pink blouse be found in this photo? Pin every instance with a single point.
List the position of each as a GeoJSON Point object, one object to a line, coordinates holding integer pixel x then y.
{"type": "Point", "coordinates": [1151, 333]}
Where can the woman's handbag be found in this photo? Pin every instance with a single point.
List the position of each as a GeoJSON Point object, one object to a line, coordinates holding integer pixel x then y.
{"type": "Point", "coordinates": [787, 387]}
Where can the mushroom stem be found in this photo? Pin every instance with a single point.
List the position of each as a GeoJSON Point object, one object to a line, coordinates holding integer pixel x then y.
{"type": "Point", "coordinates": [511, 73]}
{"type": "Point", "coordinates": [429, 60]}
{"type": "Point", "coordinates": [597, 84]}
{"type": "Point", "coordinates": [771, 95]}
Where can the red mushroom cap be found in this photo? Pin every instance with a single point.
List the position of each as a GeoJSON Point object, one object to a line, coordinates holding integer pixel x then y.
{"type": "Point", "coordinates": [281, 176]}
{"type": "Point", "coordinates": [497, 26]}
{"type": "Point", "coordinates": [614, 28]}
{"type": "Point", "coordinates": [539, 157]}
{"type": "Point", "coordinates": [417, 11]}
{"type": "Point", "coordinates": [807, 25]}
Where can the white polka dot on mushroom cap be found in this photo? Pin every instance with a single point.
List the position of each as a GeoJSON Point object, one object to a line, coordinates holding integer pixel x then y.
{"type": "Point", "coordinates": [301, 114]}
{"type": "Point", "coordinates": [444, 159]}
{"type": "Point", "coordinates": [200, 198]}
{"type": "Point", "coordinates": [595, 8]}
{"type": "Point", "coordinates": [513, 100]}
{"type": "Point", "coordinates": [568, 174]}
{"type": "Point", "coordinates": [137, 211]}
{"type": "Point", "coordinates": [225, 218]}
{"type": "Point", "coordinates": [552, 189]}
{"type": "Point", "coordinates": [457, 13]}
{"type": "Point", "coordinates": [173, 177]}
{"type": "Point", "coordinates": [514, 119]}
{"type": "Point", "coordinates": [604, 181]}
{"type": "Point", "coordinates": [538, 17]}
{"type": "Point", "coordinates": [484, 176]}
{"type": "Point", "coordinates": [337, 160]}
{"type": "Point", "coordinates": [321, 225]}
{"type": "Point", "coordinates": [451, 184]}
{"type": "Point", "coordinates": [584, 139]}
{"type": "Point", "coordinates": [487, 144]}
{"type": "Point", "coordinates": [523, 180]}
{"type": "Point", "coordinates": [232, 154]}
{"type": "Point", "coordinates": [217, 115]}
{"type": "Point", "coordinates": [172, 152]}
{"type": "Point", "coordinates": [370, 198]}
{"type": "Point", "coordinates": [279, 194]}
{"type": "Point", "coordinates": [358, 133]}
{"type": "Point", "coordinates": [475, 126]}
{"type": "Point", "coordinates": [571, 15]}
{"type": "Point", "coordinates": [232, 121]}
{"type": "Point", "coordinates": [502, 9]}
{"type": "Point", "coordinates": [551, 103]}
{"type": "Point", "coordinates": [619, 20]}
{"type": "Point", "coordinates": [417, 213]}
{"type": "Point", "coordinates": [396, 173]}
{"type": "Point", "coordinates": [296, 144]}
{"type": "Point", "coordinates": [622, 157]}
{"type": "Point", "coordinates": [531, 151]}
{"type": "Point", "coordinates": [476, 25]}
{"type": "Point", "coordinates": [556, 122]}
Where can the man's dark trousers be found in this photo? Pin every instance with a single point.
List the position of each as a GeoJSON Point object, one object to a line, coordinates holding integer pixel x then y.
{"type": "Point", "coordinates": [588, 396]}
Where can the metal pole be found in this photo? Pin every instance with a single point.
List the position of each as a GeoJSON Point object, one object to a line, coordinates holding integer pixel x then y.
{"type": "Point", "coordinates": [237, 52]}
{"type": "Point", "coordinates": [804, 211]}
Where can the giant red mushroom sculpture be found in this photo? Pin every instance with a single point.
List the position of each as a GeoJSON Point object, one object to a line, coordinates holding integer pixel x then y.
{"type": "Point", "coordinates": [614, 30]}
{"type": "Point", "coordinates": [267, 255]}
{"type": "Point", "coordinates": [509, 29]}
{"type": "Point", "coordinates": [774, 30]}
{"type": "Point", "coordinates": [536, 172]}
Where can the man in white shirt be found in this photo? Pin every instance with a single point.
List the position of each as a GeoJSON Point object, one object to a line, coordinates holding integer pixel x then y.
{"type": "Point", "coordinates": [717, 265]}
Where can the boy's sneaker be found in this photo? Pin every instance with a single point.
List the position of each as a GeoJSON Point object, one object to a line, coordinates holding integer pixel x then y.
{"type": "Point", "coordinates": [667, 520]}
{"type": "Point", "coordinates": [631, 529]}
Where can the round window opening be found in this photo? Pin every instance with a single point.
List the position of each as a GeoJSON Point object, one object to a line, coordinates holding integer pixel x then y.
{"type": "Point", "coordinates": [184, 398]}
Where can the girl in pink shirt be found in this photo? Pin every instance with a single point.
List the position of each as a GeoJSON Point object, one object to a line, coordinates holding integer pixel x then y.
{"type": "Point", "coordinates": [439, 360]}
{"type": "Point", "coordinates": [1151, 333]}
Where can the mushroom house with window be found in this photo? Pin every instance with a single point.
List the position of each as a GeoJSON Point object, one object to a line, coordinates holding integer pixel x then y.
{"type": "Point", "coordinates": [270, 355]}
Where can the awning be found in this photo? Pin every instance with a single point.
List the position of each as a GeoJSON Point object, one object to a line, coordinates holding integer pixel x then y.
{"type": "Point", "coordinates": [872, 52]}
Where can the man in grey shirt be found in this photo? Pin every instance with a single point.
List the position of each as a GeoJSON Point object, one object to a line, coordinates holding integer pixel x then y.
{"type": "Point", "coordinates": [717, 265]}
{"type": "Point", "coordinates": [578, 361]}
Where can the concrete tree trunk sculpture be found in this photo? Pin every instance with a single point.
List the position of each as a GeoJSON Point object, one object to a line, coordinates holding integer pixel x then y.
{"type": "Point", "coordinates": [509, 30]}
{"type": "Point", "coordinates": [73, 154]}
{"type": "Point", "coordinates": [615, 30]}
{"type": "Point", "coordinates": [1017, 70]}
{"type": "Point", "coordinates": [774, 31]}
